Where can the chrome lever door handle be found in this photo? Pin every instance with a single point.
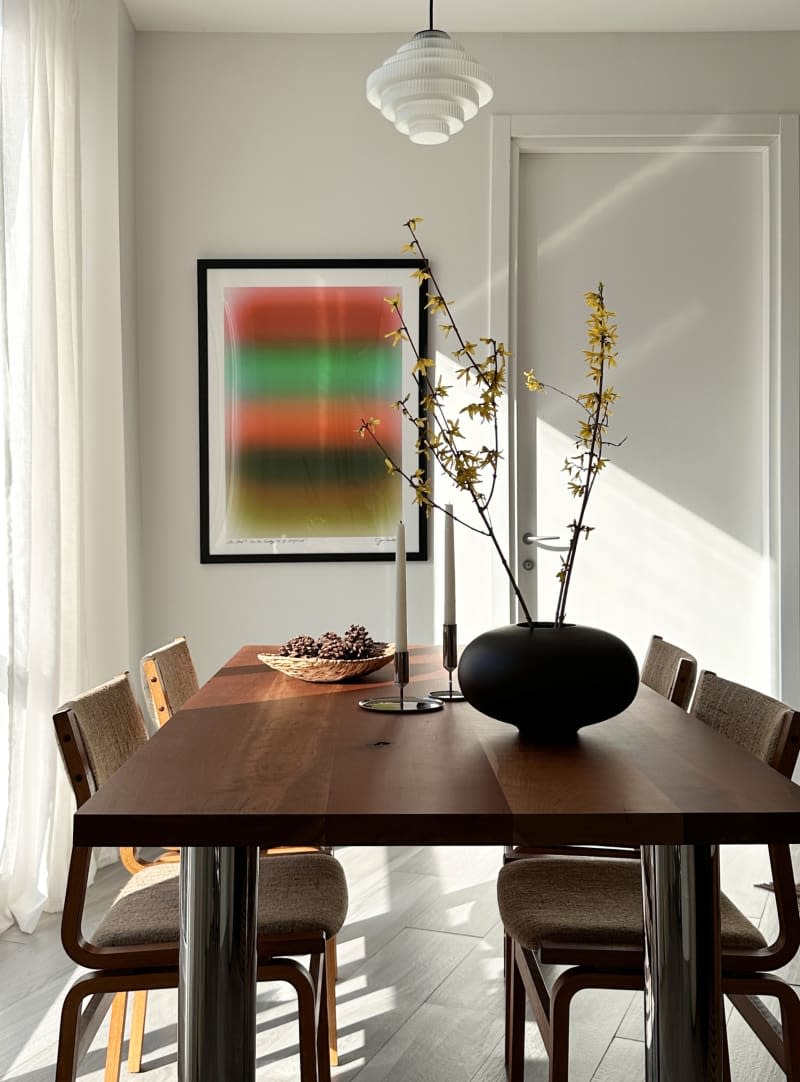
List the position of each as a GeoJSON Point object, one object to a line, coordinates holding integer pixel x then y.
{"type": "Point", "coordinates": [531, 539]}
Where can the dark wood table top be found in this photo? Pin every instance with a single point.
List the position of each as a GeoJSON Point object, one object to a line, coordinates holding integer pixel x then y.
{"type": "Point", "coordinates": [258, 758]}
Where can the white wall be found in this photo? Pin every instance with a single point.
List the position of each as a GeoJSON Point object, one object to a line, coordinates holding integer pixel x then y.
{"type": "Point", "coordinates": [265, 146]}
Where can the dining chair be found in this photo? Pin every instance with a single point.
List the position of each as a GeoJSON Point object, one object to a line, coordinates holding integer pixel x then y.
{"type": "Point", "coordinates": [670, 670]}
{"type": "Point", "coordinates": [667, 669]}
{"type": "Point", "coordinates": [169, 679]}
{"type": "Point", "coordinates": [586, 913]}
{"type": "Point", "coordinates": [302, 902]}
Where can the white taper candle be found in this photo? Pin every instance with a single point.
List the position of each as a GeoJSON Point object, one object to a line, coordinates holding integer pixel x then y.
{"type": "Point", "coordinates": [449, 567]}
{"type": "Point", "coordinates": [401, 619]}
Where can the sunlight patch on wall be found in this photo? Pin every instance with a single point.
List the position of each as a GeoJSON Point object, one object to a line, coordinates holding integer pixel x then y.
{"type": "Point", "coordinates": [653, 567]}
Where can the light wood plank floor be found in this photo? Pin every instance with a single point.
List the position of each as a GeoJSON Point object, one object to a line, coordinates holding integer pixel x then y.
{"type": "Point", "coordinates": [420, 992]}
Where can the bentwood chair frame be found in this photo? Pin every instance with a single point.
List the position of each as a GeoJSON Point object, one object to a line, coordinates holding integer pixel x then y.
{"type": "Point", "coordinates": [117, 970]}
{"type": "Point", "coordinates": [747, 974]}
{"type": "Point", "coordinates": [169, 679]}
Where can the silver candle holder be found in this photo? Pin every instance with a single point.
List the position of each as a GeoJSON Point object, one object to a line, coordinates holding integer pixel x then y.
{"type": "Point", "coordinates": [402, 703]}
{"type": "Point", "coordinates": [450, 663]}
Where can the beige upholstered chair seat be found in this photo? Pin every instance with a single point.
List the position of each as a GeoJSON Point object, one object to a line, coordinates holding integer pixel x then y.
{"type": "Point", "coordinates": [298, 894]}
{"type": "Point", "coordinates": [590, 900]}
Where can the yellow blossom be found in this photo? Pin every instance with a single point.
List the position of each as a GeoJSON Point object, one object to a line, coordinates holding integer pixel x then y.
{"type": "Point", "coordinates": [435, 303]}
{"type": "Point", "coordinates": [368, 426]}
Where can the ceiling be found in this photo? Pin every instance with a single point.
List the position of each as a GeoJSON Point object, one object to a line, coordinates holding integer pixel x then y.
{"type": "Point", "coordinates": [463, 16]}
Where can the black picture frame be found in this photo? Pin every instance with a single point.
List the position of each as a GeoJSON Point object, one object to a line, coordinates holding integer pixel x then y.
{"type": "Point", "coordinates": [292, 352]}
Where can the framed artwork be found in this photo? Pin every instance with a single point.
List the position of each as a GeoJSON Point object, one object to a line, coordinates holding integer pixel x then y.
{"type": "Point", "coordinates": [294, 354]}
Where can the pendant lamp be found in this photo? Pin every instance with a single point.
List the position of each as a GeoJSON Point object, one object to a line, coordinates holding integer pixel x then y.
{"type": "Point", "coordinates": [430, 87]}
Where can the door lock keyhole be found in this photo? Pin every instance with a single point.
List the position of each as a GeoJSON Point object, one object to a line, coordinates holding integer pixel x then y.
{"type": "Point", "coordinates": [528, 565]}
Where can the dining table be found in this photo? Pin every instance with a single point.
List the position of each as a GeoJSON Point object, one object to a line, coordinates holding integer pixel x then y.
{"type": "Point", "coordinates": [257, 758]}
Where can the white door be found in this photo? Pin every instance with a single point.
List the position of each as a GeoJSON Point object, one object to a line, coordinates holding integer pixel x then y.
{"type": "Point", "coordinates": [681, 544]}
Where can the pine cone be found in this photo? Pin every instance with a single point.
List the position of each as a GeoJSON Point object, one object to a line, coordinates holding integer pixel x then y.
{"type": "Point", "coordinates": [300, 646]}
{"type": "Point", "coordinates": [357, 642]}
{"type": "Point", "coordinates": [330, 645]}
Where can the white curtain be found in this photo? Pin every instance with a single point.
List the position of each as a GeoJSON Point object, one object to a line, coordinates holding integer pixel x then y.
{"type": "Point", "coordinates": [41, 590]}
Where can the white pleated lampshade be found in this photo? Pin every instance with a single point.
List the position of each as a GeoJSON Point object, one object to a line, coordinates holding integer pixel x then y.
{"type": "Point", "coordinates": [429, 88]}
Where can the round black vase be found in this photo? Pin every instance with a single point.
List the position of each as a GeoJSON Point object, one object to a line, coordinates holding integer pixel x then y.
{"type": "Point", "coordinates": [548, 681]}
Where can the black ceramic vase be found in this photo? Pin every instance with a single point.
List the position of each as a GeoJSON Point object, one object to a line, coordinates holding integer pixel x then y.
{"type": "Point", "coordinates": [548, 681]}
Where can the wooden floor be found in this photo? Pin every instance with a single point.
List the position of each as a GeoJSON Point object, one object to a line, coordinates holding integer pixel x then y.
{"type": "Point", "coordinates": [420, 992]}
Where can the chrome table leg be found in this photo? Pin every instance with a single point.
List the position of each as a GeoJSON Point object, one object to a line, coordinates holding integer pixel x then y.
{"type": "Point", "coordinates": [683, 997]}
{"type": "Point", "coordinates": [217, 964]}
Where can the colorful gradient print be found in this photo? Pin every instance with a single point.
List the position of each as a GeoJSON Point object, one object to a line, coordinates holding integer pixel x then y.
{"type": "Point", "coordinates": [303, 366]}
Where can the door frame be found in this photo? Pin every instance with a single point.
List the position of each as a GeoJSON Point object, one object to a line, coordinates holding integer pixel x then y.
{"type": "Point", "coordinates": [774, 136]}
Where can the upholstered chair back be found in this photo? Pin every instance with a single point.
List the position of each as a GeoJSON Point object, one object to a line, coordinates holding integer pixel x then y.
{"type": "Point", "coordinates": [168, 679]}
{"type": "Point", "coordinates": [670, 670]}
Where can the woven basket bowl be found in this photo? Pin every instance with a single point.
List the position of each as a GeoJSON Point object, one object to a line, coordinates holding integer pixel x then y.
{"type": "Point", "coordinates": [323, 670]}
